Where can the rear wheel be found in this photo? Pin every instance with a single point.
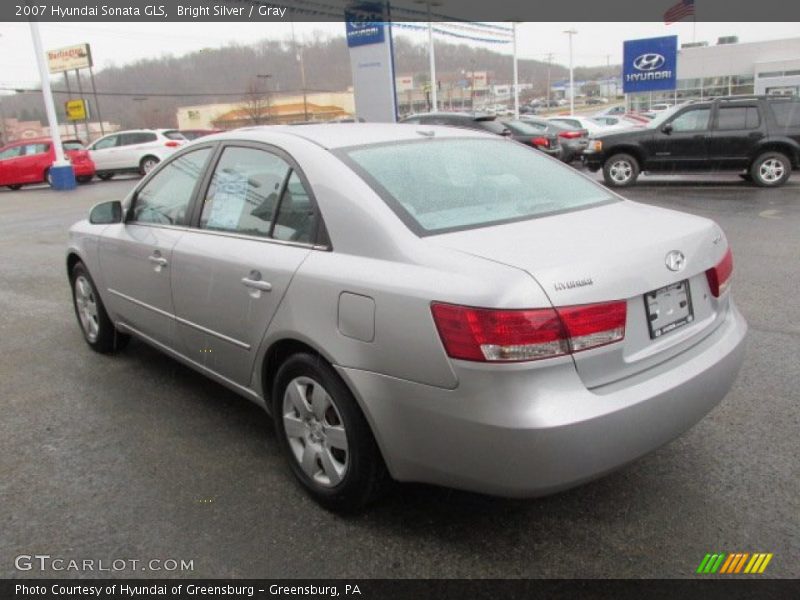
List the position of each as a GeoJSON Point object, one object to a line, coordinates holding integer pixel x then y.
{"type": "Point", "coordinates": [15, 186]}
{"type": "Point", "coordinates": [105, 176]}
{"type": "Point", "coordinates": [98, 330]}
{"type": "Point", "coordinates": [621, 170]}
{"type": "Point", "coordinates": [83, 179]}
{"type": "Point", "coordinates": [324, 435]}
{"type": "Point", "coordinates": [147, 164]}
{"type": "Point", "coordinates": [771, 169]}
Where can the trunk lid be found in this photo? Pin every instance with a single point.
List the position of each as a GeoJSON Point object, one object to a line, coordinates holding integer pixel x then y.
{"type": "Point", "coordinates": [613, 252]}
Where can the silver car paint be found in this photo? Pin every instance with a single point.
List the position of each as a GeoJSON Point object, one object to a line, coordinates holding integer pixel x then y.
{"type": "Point", "coordinates": [511, 429]}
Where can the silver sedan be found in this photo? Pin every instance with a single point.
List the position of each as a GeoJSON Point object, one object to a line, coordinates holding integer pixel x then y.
{"type": "Point", "coordinates": [418, 303]}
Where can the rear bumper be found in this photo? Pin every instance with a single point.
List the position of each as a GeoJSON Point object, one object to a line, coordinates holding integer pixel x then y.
{"type": "Point", "coordinates": [83, 169]}
{"type": "Point", "coordinates": [519, 431]}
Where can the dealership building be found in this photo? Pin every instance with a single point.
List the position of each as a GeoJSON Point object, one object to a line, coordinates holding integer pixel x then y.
{"type": "Point", "coordinates": [731, 68]}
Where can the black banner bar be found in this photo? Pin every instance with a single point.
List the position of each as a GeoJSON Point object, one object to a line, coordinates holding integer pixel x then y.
{"type": "Point", "coordinates": [384, 589]}
{"type": "Point", "coordinates": [401, 10]}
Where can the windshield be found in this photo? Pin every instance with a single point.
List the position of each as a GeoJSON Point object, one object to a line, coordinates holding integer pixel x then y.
{"type": "Point", "coordinates": [443, 185]}
{"type": "Point", "coordinates": [174, 135]}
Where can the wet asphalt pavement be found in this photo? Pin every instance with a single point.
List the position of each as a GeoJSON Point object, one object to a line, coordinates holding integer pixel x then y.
{"type": "Point", "coordinates": [137, 457]}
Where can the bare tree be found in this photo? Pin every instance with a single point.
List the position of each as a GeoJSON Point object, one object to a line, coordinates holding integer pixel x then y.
{"type": "Point", "coordinates": [257, 104]}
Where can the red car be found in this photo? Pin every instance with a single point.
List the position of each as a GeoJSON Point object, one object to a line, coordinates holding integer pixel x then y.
{"type": "Point", "coordinates": [29, 161]}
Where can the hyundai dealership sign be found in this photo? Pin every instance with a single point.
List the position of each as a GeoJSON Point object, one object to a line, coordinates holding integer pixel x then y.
{"type": "Point", "coordinates": [650, 64]}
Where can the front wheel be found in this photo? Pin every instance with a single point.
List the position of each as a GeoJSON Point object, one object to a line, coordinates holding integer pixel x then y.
{"type": "Point", "coordinates": [15, 186]}
{"type": "Point", "coordinates": [621, 170]}
{"type": "Point", "coordinates": [98, 330]}
{"type": "Point", "coordinates": [324, 435]}
{"type": "Point", "coordinates": [771, 169]}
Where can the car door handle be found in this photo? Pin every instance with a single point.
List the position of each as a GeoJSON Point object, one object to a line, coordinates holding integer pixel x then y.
{"type": "Point", "coordinates": [257, 284]}
{"type": "Point", "coordinates": [159, 261]}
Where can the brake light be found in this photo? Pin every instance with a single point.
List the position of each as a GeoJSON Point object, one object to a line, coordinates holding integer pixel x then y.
{"type": "Point", "coordinates": [491, 335]}
{"type": "Point", "coordinates": [570, 135]}
{"type": "Point", "coordinates": [719, 277]}
{"type": "Point", "coordinates": [541, 141]}
{"type": "Point", "coordinates": [172, 144]}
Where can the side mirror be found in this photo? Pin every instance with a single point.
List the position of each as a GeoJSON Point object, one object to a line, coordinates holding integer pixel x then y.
{"type": "Point", "coordinates": [106, 213]}
{"type": "Point", "coordinates": [667, 128]}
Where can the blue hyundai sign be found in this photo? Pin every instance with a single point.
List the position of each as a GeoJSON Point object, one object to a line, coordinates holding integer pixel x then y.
{"type": "Point", "coordinates": [649, 65]}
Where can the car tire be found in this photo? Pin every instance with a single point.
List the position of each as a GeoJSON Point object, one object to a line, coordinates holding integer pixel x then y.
{"type": "Point", "coordinates": [771, 169]}
{"type": "Point", "coordinates": [325, 436]}
{"type": "Point", "coordinates": [105, 176]}
{"type": "Point", "coordinates": [620, 170]}
{"type": "Point", "coordinates": [98, 330]}
{"type": "Point", "coordinates": [84, 178]}
{"type": "Point", "coordinates": [15, 186]}
{"type": "Point", "coordinates": [147, 164]}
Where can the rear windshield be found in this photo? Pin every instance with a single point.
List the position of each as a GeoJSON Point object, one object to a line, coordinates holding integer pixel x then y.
{"type": "Point", "coordinates": [436, 186]}
{"type": "Point", "coordinates": [174, 135]}
{"type": "Point", "coordinates": [523, 128]}
{"type": "Point", "coordinates": [492, 125]}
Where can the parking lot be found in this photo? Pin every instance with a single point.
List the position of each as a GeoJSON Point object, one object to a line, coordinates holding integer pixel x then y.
{"type": "Point", "coordinates": [137, 457]}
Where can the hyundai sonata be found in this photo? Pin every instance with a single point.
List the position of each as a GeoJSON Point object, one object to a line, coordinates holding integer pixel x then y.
{"type": "Point", "coordinates": [420, 303]}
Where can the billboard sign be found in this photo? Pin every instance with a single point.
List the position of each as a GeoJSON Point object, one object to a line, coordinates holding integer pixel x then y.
{"type": "Point", "coordinates": [363, 33]}
{"type": "Point", "coordinates": [650, 64]}
{"type": "Point", "coordinates": [78, 56]}
{"type": "Point", "coordinates": [76, 110]}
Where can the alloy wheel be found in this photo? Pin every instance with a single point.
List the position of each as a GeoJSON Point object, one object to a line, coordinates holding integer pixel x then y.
{"type": "Point", "coordinates": [621, 171]}
{"type": "Point", "coordinates": [315, 431]}
{"type": "Point", "coordinates": [771, 170]}
{"type": "Point", "coordinates": [86, 304]}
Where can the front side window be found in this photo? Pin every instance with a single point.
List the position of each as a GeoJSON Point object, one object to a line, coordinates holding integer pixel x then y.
{"type": "Point", "coordinates": [694, 119]}
{"type": "Point", "coordinates": [108, 142]}
{"type": "Point", "coordinates": [244, 191]}
{"type": "Point", "coordinates": [165, 198]}
{"type": "Point", "coordinates": [443, 185]}
{"type": "Point", "coordinates": [12, 152]}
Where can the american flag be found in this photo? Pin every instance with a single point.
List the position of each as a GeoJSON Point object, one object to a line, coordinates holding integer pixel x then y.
{"type": "Point", "coordinates": [679, 11]}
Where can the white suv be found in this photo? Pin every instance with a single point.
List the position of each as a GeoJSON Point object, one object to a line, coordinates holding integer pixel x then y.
{"type": "Point", "coordinates": [134, 151]}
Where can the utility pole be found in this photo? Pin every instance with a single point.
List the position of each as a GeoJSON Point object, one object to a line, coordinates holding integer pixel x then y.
{"type": "Point", "coordinates": [570, 32]}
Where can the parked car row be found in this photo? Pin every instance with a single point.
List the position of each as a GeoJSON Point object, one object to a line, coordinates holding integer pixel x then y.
{"type": "Point", "coordinates": [28, 161]}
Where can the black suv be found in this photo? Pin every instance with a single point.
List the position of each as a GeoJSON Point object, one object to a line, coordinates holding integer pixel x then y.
{"type": "Point", "coordinates": [481, 122]}
{"type": "Point", "coordinates": [756, 135]}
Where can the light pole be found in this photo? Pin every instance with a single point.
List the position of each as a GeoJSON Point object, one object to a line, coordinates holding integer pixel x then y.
{"type": "Point", "coordinates": [516, 74]}
{"type": "Point", "coordinates": [61, 174]}
{"type": "Point", "coordinates": [570, 32]}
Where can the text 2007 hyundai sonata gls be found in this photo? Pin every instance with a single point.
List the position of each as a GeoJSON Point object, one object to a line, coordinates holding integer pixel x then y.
{"type": "Point", "coordinates": [430, 304]}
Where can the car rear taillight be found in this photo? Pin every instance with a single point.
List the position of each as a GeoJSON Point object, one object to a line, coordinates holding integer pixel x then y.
{"type": "Point", "coordinates": [500, 335]}
{"type": "Point", "coordinates": [719, 277]}
{"type": "Point", "coordinates": [570, 135]}
{"type": "Point", "coordinates": [541, 141]}
{"type": "Point", "coordinates": [172, 144]}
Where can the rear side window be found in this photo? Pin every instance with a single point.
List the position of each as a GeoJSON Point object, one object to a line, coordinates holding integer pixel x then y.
{"type": "Point", "coordinates": [296, 221]}
{"type": "Point", "coordinates": [436, 186]}
{"type": "Point", "coordinates": [165, 198]}
{"type": "Point", "coordinates": [787, 113]}
{"type": "Point", "coordinates": [30, 149]}
{"type": "Point", "coordinates": [141, 137]}
{"type": "Point", "coordinates": [738, 117]}
{"type": "Point", "coordinates": [244, 191]}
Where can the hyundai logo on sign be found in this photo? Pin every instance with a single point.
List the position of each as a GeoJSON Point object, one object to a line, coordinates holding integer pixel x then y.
{"type": "Point", "coordinates": [650, 64]}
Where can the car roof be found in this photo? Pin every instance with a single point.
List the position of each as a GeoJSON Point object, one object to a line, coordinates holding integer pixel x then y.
{"type": "Point", "coordinates": [341, 135]}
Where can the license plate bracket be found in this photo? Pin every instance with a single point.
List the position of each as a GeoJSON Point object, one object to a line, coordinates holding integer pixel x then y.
{"type": "Point", "coordinates": [668, 308]}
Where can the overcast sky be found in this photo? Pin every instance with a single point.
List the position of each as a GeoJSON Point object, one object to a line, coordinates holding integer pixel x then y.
{"type": "Point", "coordinates": [120, 43]}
